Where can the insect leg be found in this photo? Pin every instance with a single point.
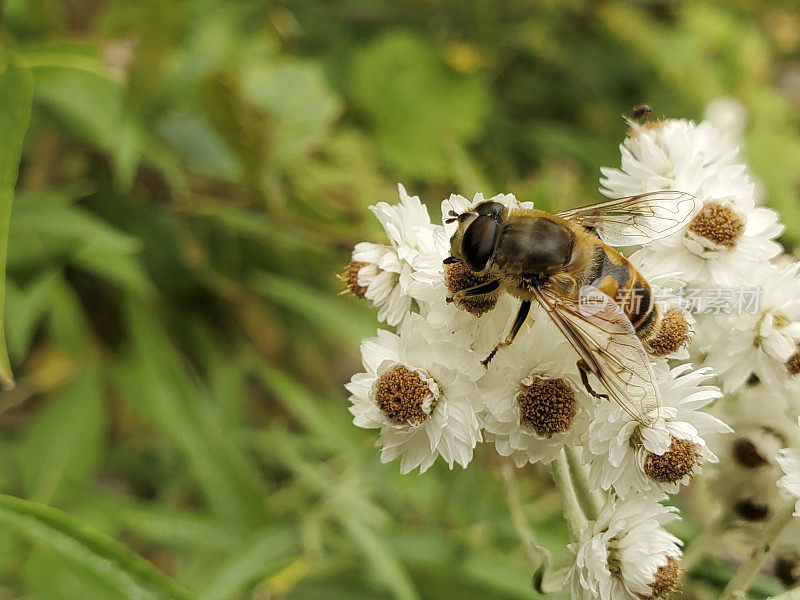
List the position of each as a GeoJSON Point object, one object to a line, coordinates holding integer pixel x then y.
{"type": "Point", "coordinates": [584, 370]}
{"type": "Point", "coordinates": [478, 290]}
{"type": "Point", "coordinates": [522, 314]}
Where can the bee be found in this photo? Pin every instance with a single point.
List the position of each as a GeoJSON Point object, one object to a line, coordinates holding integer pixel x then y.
{"type": "Point", "coordinates": [566, 263]}
{"type": "Point", "coordinates": [641, 111]}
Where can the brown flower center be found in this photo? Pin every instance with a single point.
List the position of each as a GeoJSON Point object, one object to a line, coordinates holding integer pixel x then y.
{"type": "Point", "coordinates": [675, 464]}
{"type": "Point", "coordinates": [400, 393]}
{"type": "Point", "coordinates": [787, 568]}
{"type": "Point", "coordinates": [457, 277]}
{"type": "Point", "coordinates": [547, 406]}
{"type": "Point", "coordinates": [753, 380]}
{"type": "Point", "coordinates": [349, 279]}
{"type": "Point", "coordinates": [793, 364]}
{"type": "Point", "coordinates": [673, 333]}
{"type": "Point", "coordinates": [751, 510]}
{"type": "Point", "coordinates": [666, 580]}
{"type": "Point", "coordinates": [719, 224]}
{"type": "Point", "coordinates": [746, 454]}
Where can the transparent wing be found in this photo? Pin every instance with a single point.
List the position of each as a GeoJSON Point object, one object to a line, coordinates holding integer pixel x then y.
{"type": "Point", "coordinates": [605, 339]}
{"type": "Point", "coordinates": [636, 220]}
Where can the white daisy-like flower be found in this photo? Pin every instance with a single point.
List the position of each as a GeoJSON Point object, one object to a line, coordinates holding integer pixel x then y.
{"type": "Point", "coordinates": [762, 338]}
{"type": "Point", "coordinates": [673, 154]}
{"type": "Point", "coordinates": [535, 403]}
{"type": "Point", "coordinates": [729, 234]}
{"type": "Point", "coordinates": [626, 554]}
{"type": "Point", "coordinates": [744, 479]}
{"type": "Point", "coordinates": [420, 389]}
{"type": "Point", "coordinates": [728, 116]}
{"type": "Point", "coordinates": [390, 276]}
{"type": "Point", "coordinates": [789, 461]}
{"type": "Point", "coordinates": [631, 457]}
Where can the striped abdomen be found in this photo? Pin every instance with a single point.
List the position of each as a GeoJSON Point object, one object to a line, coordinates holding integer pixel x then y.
{"type": "Point", "coordinates": [616, 277]}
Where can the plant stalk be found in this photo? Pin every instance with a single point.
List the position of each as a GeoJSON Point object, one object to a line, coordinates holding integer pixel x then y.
{"type": "Point", "coordinates": [738, 586]}
{"type": "Point", "coordinates": [591, 500]}
{"type": "Point", "coordinates": [576, 520]}
{"type": "Point", "coordinates": [704, 543]}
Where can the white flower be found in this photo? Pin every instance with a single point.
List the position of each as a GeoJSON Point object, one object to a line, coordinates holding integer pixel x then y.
{"type": "Point", "coordinates": [393, 275]}
{"type": "Point", "coordinates": [728, 116]}
{"type": "Point", "coordinates": [673, 154]}
{"type": "Point", "coordinates": [729, 234]}
{"type": "Point", "coordinates": [656, 459]}
{"type": "Point", "coordinates": [626, 554]}
{"type": "Point", "coordinates": [747, 471]}
{"type": "Point", "coordinates": [759, 341]}
{"type": "Point", "coordinates": [420, 389]}
{"type": "Point", "coordinates": [480, 334]}
{"type": "Point", "coordinates": [789, 461]}
{"type": "Point", "coordinates": [535, 403]}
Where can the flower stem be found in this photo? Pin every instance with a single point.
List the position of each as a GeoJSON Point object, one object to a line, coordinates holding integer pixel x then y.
{"type": "Point", "coordinates": [559, 471]}
{"type": "Point", "coordinates": [738, 586]}
{"type": "Point", "coordinates": [518, 515]}
{"type": "Point", "coordinates": [703, 543]}
{"type": "Point", "coordinates": [539, 556]}
{"type": "Point", "coordinates": [591, 500]}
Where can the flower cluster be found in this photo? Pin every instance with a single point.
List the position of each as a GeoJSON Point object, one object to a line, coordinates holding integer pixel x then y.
{"type": "Point", "coordinates": [426, 389]}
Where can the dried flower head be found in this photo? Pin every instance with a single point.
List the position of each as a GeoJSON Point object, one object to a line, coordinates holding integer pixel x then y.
{"type": "Point", "coordinates": [626, 554]}
{"type": "Point", "coordinates": [674, 332]}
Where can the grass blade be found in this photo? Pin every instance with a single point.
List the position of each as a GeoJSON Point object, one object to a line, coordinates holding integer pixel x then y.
{"type": "Point", "coordinates": [16, 94]}
{"type": "Point", "coordinates": [110, 561]}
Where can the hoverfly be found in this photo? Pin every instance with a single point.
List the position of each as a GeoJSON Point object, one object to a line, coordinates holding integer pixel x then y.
{"type": "Point", "coordinates": [561, 260]}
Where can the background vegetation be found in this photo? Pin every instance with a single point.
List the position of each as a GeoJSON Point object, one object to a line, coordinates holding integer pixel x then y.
{"type": "Point", "coordinates": [193, 175]}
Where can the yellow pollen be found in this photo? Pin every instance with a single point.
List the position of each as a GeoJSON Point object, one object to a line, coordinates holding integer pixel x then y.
{"type": "Point", "coordinates": [457, 277]}
{"type": "Point", "coordinates": [349, 279]}
{"type": "Point", "coordinates": [400, 394]}
{"type": "Point", "coordinates": [719, 224]}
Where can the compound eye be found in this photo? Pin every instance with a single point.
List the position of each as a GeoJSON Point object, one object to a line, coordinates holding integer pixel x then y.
{"type": "Point", "coordinates": [493, 209]}
{"type": "Point", "coordinates": [478, 243]}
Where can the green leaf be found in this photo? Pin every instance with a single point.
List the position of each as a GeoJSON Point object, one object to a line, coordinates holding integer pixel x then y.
{"type": "Point", "coordinates": [85, 104]}
{"type": "Point", "coordinates": [16, 92]}
{"type": "Point", "coordinates": [419, 107]}
{"type": "Point", "coordinates": [54, 455]}
{"type": "Point", "coordinates": [155, 381]}
{"type": "Point", "coordinates": [165, 525]}
{"type": "Point", "coordinates": [47, 576]}
{"type": "Point", "coordinates": [299, 101]}
{"type": "Point", "coordinates": [253, 560]}
{"type": "Point", "coordinates": [46, 228]}
{"type": "Point", "coordinates": [111, 562]}
{"type": "Point", "coordinates": [327, 313]}
{"type": "Point", "coordinates": [25, 308]}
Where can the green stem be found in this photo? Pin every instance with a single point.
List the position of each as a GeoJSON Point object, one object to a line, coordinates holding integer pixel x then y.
{"type": "Point", "coordinates": [704, 543]}
{"type": "Point", "coordinates": [738, 586]}
{"type": "Point", "coordinates": [576, 520]}
{"type": "Point", "coordinates": [591, 500]}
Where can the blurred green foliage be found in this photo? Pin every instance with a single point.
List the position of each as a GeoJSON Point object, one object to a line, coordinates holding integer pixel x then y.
{"type": "Point", "coordinates": [193, 175]}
